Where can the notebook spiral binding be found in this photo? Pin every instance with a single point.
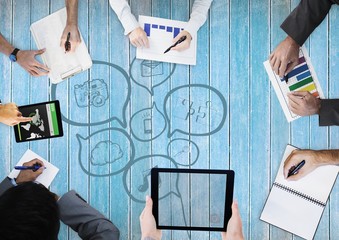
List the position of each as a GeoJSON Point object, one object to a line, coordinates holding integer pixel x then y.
{"type": "Point", "coordinates": [304, 196]}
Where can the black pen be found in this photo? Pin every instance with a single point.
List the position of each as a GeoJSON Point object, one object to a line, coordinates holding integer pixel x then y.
{"type": "Point", "coordinates": [183, 38]}
{"type": "Point", "coordinates": [295, 169]}
{"type": "Point", "coordinates": [67, 43]}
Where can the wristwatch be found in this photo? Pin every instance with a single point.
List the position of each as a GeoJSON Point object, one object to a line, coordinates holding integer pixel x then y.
{"type": "Point", "coordinates": [12, 56]}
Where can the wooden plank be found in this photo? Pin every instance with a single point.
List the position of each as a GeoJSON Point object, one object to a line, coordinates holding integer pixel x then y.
{"type": "Point", "coordinates": [239, 106]}
{"type": "Point", "coordinates": [279, 128]}
{"type": "Point", "coordinates": [318, 48]}
{"type": "Point", "coordinates": [333, 33]}
{"type": "Point", "coordinates": [119, 200]}
{"type": "Point", "coordinates": [259, 117]}
{"type": "Point", "coordinates": [219, 78]}
{"type": "Point", "coordinates": [135, 174]}
{"type": "Point", "coordinates": [6, 19]}
{"type": "Point", "coordinates": [20, 95]}
{"type": "Point", "coordinates": [59, 151]}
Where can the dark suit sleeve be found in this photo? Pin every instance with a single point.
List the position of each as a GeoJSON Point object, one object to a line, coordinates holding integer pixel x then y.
{"type": "Point", "coordinates": [5, 185]}
{"type": "Point", "coordinates": [305, 18]}
{"type": "Point", "coordinates": [329, 112]}
{"type": "Point", "coordinates": [85, 220]}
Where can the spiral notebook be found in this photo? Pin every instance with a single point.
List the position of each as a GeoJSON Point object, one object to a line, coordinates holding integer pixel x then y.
{"type": "Point", "coordinates": [297, 206]}
{"type": "Point", "coordinates": [47, 34]}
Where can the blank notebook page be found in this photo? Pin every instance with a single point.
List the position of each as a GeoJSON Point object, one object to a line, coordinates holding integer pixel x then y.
{"type": "Point", "coordinates": [297, 206]}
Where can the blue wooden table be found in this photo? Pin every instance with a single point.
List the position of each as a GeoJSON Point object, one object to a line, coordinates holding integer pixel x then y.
{"type": "Point", "coordinates": [220, 114]}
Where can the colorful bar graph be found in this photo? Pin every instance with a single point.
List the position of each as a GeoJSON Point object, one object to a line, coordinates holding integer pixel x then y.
{"type": "Point", "coordinates": [301, 83]}
{"type": "Point", "coordinates": [303, 75]}
{"type": "Point", "coordinates": [148, 26]}
{"type": "Point", "coordinates": [176, 32]}
{"type": "Point", "coordinates": [316, 94]}
{"type": "Point", "coordinates": [302, 60]}
{"type": "Point", "coordinates": [297, 70]}
{"type": "Point", "coordinates": [308, 88]}
{"type": "Point", "coordinates": [147, 29]}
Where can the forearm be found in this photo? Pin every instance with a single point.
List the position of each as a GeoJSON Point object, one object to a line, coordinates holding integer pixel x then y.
{"type": "Point", "coordinates": [124, 14]}
{"type": "Point", "coordinates": [305, 18]}
{"type": "Point", "coordinates": [198, 15]}
{"type": "Point", "coordinates": [327, 157]}
{"type": "Point", "coordinates": [5, 47]}
{"type": "Point", "coordinates": [72, 12]}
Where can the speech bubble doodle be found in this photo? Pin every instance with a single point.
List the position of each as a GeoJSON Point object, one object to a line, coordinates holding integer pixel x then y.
{"type": "Point", "coordinates": [141, 168]}
{"type": "Point", "coordinates": [107, 157]}
{"type": "Point", "coordinates": [106, 152]}
{"type": "Point", "coordinates": [142, 126]}
{"type": "Point", "coordinates": [92, 95]}
{"type": "Point", "coordinates": [150, 74]}
{"type": "Point", "coordinates": [181, 150]}
{"type": "Point", "coordinates": [187, 105]}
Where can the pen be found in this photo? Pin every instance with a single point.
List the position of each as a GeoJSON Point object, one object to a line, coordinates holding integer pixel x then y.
{"type": "Point", "coordinates": [35, 167]}
{"type": "Point", "coordinates": [295, 169]}
{"type": "Point", "coordinates": [67, 43]}
{"type": "Point", "coordinates": [183, 38]}
{"type": "Point", "coordinates": [285, 78]}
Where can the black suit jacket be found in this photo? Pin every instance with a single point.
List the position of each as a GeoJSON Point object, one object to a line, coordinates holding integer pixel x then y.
{"type": "Point", "coordinates": [305, 18]}
{"type": "Point", "coordinates": [89, 223]}
{"type": "Point", "coordinates": [299, 25]}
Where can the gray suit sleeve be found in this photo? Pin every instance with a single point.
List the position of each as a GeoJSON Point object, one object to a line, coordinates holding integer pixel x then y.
{"type": "Point", "coordinates": [89, 223]}
{"type": "Point", "coordinates": [329, 112]}
{"type": "Point", "coordinates": [5, 185]}
{"type": "Point", "coordinates": [305, 18]}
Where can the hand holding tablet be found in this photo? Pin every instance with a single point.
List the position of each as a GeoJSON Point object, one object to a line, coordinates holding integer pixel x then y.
{"type": "Point", "coordinates": [45, 122]}
{"type": "Point", "coordinates": [192, 199]}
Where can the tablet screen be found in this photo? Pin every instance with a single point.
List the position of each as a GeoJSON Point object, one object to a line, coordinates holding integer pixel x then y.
{"type": "Point", "coordinates": [46, 122]}
{"type": "Point", "coordinates": [188, 199]}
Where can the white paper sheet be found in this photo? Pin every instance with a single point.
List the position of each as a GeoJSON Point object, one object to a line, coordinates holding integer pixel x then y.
{"type": "Point", "coordinates": [48, 174]}
{"type": "Point", "coordinates": [161, 33]}
{"type": "Point", "coordinates": [47, 34]}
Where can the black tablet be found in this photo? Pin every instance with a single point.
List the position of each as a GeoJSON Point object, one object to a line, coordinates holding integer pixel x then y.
{"type": "Point", "coordinates": [46, 122]}
{"type": "Point", "coordinates": [192, 199]}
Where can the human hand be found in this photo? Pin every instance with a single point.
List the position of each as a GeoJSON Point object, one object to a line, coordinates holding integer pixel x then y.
{"type": "Point", "coordinates": [26, 59]}
{"type": "Point", "coordinates": [74, 38]}
{"type": "Point", "coordinates": [30, 175]}
{"type": "Point", "coordinates": [285, 57]}
{"type": "Point", "coordinates": [10, 115]}
{"type": "Point", "coordinates": [311, 162]}
{"type": "Point", "coordinates": [234, 226]}
{"type": "Point", "coordinates": [138, 38]}
{"type": "Point", "coordinates": [147, 222]}
{"type": "Point", "coordinates": [303, 103]}
{"type": "Point", "coordinates": [185, 44]}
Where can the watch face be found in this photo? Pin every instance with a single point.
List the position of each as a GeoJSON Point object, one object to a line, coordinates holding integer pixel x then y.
{"type": "Point", "coordinates": [12, 58]}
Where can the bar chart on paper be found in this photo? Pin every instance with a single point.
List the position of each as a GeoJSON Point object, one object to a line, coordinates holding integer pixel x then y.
{"type": "Point", "coordinates": [301, 78]}
{"type": "Point", "coordinates": [160, 33]}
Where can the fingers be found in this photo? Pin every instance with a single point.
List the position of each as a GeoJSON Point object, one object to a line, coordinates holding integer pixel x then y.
{"type": "Point", "coordinates": [23, 119]}
{"type": "Point", "coordinates": [39, 52]}
{"type": "Point", "coordinates": [290, 66]}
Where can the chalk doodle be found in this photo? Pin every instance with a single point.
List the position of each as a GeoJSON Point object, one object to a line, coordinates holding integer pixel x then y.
{"type": "Point", "coordinates": [91, 93]}
{"type": "Point", "coordinates": [140, 166]}
{"type": "Point", "coordinates": [106, 152]}
{"type": "Point", "coordinates": [143, 125]}
{"type": "Point", "coordinates": [150, 74]}
{"type": "Point", "coordinates": [107, 90]}
{"type": "Point", "coordinates": [183, 151]}
{"type": "Point", "coordinates": [108, 157]}
{"type": "Point", "coordinates": [195, 105]}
